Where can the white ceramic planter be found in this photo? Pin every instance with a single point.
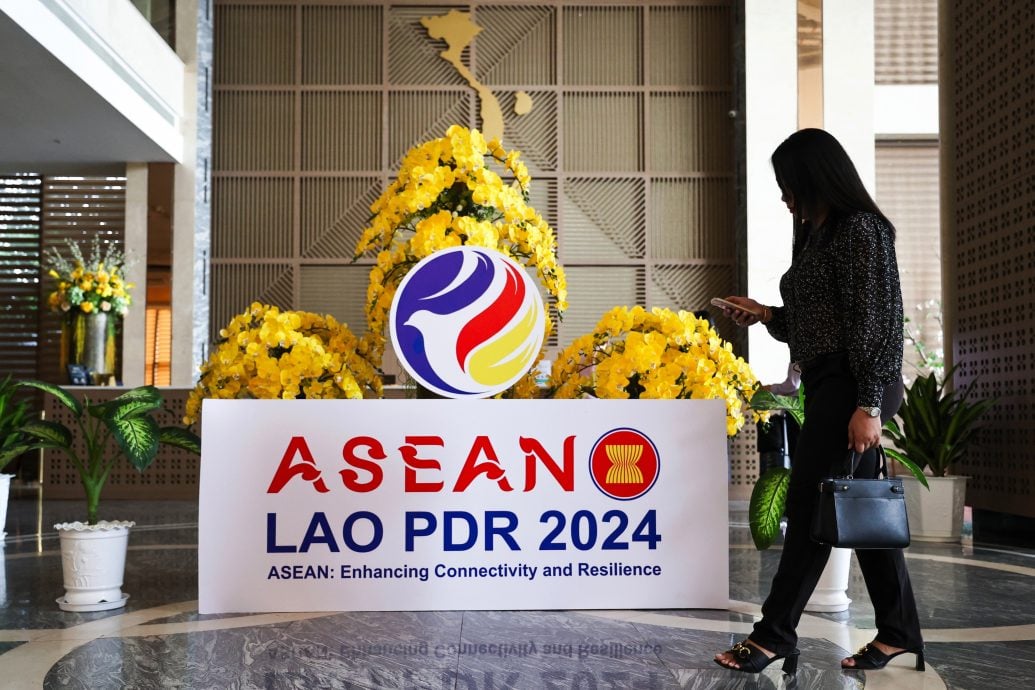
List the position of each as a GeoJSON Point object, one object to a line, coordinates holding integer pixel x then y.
{"type": "Point", "coordinates": [830, 593]}
{"type": "Point", "coordinates": [93, 561]}
{"type": "Point", "coordinates": [935, 515]}
{"type": "Point", "coordinates": [5, 490]}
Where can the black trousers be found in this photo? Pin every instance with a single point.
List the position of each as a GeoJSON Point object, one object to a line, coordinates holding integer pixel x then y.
{"type": "Point", "coordinates": [830, 401]}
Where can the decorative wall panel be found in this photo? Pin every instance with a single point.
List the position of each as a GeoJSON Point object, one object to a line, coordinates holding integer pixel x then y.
{"type": "Point", "coordinates": [341, 45]}
{"type": "Point", "coordinates": [603, 219]}
{"type": "Point", "coordinates": [254, 215]}
{"type": "Point", "coordinates": [254, 131]}
{"type": "Point", "coordinates": [619, 110]}
{"type": "Point", "coordinates": [266, 55]}
{"type": "Point", "coordinates": [993, 165]}
{"type": "Point", "coordinates": [236, 286]}
{"type": "Point", "coordinates": [334, 212]}
{"type": "Point", "coordinates": [677, 205]}
{"type": "Point", "coordinates": [602, 46]}
{"type": "Point", "coordinates": [533, 134]}
{"type": "Point", "coordinates": [681, 51]}
{"type": "Point", "coordinates": [414, 117]}
{"type": "Point", "coordinates": [602, 131]}
{"type": "Point", "coordinates": [594, 290]}
{"type": "Point", "coordinates": [688, 132]}
{"type": "Point", "coordinates": [521, 48]}
{"type": "Point", "coordinates": [412, 57]}
{"type": "Point", "coordinates": [21, 199]}
{"type": "Point", "coordinates": [352, 142]}
{"type": "Point", "coordinates": [332, 290]}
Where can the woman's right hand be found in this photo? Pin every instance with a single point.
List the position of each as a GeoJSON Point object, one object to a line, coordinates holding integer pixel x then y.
{"type": "Point", "coordinates": [750, 313]}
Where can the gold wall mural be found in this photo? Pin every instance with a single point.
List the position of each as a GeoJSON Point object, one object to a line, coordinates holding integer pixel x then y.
{"type": "Point", "coordinates": [620, 112]}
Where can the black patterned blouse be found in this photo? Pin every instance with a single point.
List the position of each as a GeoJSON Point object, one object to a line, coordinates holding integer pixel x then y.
{"type": "Point", "coordinates": [842, 294]}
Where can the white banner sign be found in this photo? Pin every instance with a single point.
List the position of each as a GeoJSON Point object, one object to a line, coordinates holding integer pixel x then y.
{"type": "Point", "coordinates": [408, 505]}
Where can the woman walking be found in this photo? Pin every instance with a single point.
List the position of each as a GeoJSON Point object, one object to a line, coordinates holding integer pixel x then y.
{"type": "Point", "coordinates": [842, 319]}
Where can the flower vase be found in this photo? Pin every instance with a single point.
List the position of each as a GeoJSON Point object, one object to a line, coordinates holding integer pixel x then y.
{"type": "Point", "coordinates": [89, 341]}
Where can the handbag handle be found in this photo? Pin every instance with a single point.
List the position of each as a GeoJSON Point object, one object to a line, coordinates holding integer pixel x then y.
{"type": "Point", "coordinates": [853, 459]}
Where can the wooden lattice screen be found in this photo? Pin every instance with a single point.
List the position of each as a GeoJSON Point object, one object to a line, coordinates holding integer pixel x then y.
{"type": "Point", "coordinates": [993, 180]}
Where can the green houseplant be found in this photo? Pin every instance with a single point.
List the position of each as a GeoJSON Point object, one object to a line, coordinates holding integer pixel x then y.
{"type": "Point", "coordinates": [93, 554]}
{"type": "Point", "coordinates": [128, 420]}
{"type": "Point", "coordinates": [937, 425]}
{"type": "Point", "coordinates": [934, 430]}
{"type": "Point", "coordinates": [13, 413]}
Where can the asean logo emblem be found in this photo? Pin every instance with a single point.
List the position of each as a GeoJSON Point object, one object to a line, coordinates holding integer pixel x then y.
{"type": "Point", "coordinates": [624, 464]}
{"type": "Point", "coordinates": [467, 322]}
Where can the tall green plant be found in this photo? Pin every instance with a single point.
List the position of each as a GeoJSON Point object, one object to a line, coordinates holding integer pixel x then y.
{"type": "Point", "coordinates": [13, 414]}
{"type": "Point", "coordinates": [128, 420]}
{"type": "Point", "coordinates": [769, 496]}
{"type": "Point", "coordinates": [937, 425]}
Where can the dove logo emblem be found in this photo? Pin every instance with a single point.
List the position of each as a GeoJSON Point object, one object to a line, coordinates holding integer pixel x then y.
{"type": "Point", "coordinates": [467, 322]}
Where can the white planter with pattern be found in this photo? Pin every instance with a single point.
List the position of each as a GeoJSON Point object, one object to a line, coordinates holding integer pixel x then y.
{"type": "Point", "coordinates": [93, 561]}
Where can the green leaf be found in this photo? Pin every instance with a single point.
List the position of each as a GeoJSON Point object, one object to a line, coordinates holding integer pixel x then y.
{"type": "Point", "coordinates": [181, 438]}
{"type": "Point", "coordinates": [917, 472]}
{"type": "Point", "coordinates": [49, 432]}
{"type": "Point", "coordinates": [768, 501]}
{"type": "Point", "coordinates": [138, 438]}
{"type": "Point", "coordinates": [9, 454]}
{"type": "Point", "coordinates": [61, 394]}
{"type": "Point", "coordinates": [133, 402]}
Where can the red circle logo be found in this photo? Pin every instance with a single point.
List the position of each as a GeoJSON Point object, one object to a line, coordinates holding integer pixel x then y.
{"type": "Point", "coordinates": [624, 464]}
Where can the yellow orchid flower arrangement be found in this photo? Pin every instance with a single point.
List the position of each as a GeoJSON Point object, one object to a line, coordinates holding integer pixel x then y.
{"type": "Point", "coordinates": [88, 284]}
{"type": "Point", "coordinates": [635, 353]}
{"type": "Point", "coordinates": [446, 195]}
{"type": "Point", "coordinates": [266, 353]}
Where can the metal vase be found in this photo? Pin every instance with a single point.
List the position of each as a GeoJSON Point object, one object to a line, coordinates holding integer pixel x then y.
{"type": "Point", "coordinates": [95, 343]}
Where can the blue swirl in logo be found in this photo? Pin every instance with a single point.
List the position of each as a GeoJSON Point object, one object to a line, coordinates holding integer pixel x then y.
{"type": "Point", "coordinates": [467, 322]}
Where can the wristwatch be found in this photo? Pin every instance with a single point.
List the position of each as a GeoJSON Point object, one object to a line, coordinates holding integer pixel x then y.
{"type": "Point", "coordinates": [870, 411]}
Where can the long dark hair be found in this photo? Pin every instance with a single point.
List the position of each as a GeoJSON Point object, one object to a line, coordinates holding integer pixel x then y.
{"type": "Point", "coordinates": [813, 167]}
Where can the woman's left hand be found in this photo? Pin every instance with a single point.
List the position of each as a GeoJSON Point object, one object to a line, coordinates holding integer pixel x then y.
{"type": "Point", "coordinates": [863, 431]}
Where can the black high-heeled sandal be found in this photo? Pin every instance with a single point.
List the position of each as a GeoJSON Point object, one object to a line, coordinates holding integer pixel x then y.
{"type": "Point", "coordinates": [751, 659]}
{"type": "Point", "coordinates": [869, 658]}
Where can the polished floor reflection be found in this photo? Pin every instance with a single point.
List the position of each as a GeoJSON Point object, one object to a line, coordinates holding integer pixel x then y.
{"type": "Point", "coordinates": [975, 604]}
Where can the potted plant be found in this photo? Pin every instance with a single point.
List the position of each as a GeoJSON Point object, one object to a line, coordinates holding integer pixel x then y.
{"type": "Point", "coordinates": [93, 553]}
{"type": "Point", "coordinates": [13, 414]}
{"type": "Point", "coordinates": [934, 430]}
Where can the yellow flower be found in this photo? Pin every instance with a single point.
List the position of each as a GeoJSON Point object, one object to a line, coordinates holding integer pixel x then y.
{"type": "Point", "coordinates": [88, 283]}
{"type": "Point", "coordinates": [266, 353]}
{"type": "Point", "coordinates": [446, 195]}
{"type": "Point", "coordinates": [660, 354]}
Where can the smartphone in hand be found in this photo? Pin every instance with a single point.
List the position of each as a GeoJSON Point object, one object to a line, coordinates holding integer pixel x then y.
{"type": "Point", "coordinates": [726, 304]}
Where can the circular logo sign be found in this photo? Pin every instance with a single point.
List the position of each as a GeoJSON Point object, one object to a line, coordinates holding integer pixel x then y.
{"type": "Point", "coordinates": [624, 464]}
{"type": "Point", "coordinates": [467, 322]}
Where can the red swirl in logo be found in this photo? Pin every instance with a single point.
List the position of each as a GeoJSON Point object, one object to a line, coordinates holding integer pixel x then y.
{"type": "Point", "coordinates": [624, 464]}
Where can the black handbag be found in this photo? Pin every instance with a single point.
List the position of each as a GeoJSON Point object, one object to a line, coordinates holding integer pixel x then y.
{"type": "Point", "coordinates": [861, 513]}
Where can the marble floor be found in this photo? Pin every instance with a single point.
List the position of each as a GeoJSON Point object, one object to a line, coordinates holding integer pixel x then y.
{"type": "Point", "coordinates": [975, 601]}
